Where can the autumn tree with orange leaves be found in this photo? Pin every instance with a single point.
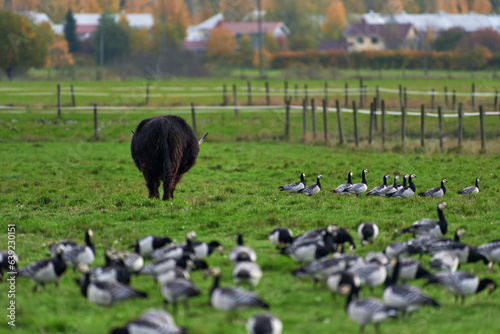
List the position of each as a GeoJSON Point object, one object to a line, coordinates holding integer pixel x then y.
{"type": "Point", "coordinates": [334, 20]}
{"type": "Point", "coordinates": [171, 22]}
{"type": "Point", "coordinates": [221, 45]}
{"type": "Point", "coordinates": [58, 55]}
{"type": "Point", "coordinates": [481, 6]}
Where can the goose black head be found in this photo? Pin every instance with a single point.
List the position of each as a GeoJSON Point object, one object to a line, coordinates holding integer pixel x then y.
{"type": "Point", "coordinates": [487, 283]}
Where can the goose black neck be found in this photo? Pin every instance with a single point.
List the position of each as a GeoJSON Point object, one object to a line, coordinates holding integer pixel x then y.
{"type": "Point", "coordinates": [457, 236]}
{"type": "Point", "coordinates": [412, 186]}
{"type": "Point", "coordinates": [212, 245]}
{"type": "Point", "coordinates": [477, 183]}
{"type": "Point", "coordinates": [443, 224]}
{"type": "Point", "coordinates": [404, 182]}
{"type": "Point", "coordinates": [483, 284]}
{"type": "Point", "coordinates": [353, 293]}
{"type": "Point", "coordinates": [215, 285]}
{"type": "Point", "coordinates": [385, 181]}
{"type": "Point", "coordinates": [443, 187]}
{"type": "Point", "coordinates": [302, 178]}
{"type": "Point", "coordinates": [363, 177]}
{"type": "Point", "coordinates": [318, 183]}
{"type": "Point", "coordinates": [88, 242]}
{"type": "Point", "coordinates": [349, 178]}
{"type": "Point", "coordinates": [395, 183]}
{"type": "Point", "coordinates": [85, 284]}
{"type": "Point", "coordinates": [475, 257]}
{"type": "Point", "coordinates": [395, 275]}
{"type": "Point", "coordinates": [182, 262]}
{"type": "Point", "coordinates": [239, 240]}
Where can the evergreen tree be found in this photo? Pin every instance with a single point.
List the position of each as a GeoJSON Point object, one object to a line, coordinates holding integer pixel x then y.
{"type": "Point", "coordinates": [115, 39]}
{"type": "Point", "coordinates": [70, 32]}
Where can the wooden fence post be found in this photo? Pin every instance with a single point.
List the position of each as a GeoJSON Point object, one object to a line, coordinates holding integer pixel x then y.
{"type": "Point", "coordinates": [339, 121]}
{"type": "Point", "coordinates": [346, 95]}
{"type": "Point", "coordinates": [403, 127]}
{"type": "Point", "coordinates": [446, 96]}
{"type": "Point", "coordinates": [73, 102]}
{"type": "Point", "coordinates": [287, 118]}
{"type": "Point", "coordinates": [400, 96]}
{"type": "Point", "coordinates": [440, 121]}
{"type": "Point", "coordinates": [460, 129]}
{"type": "Point", "coordinates": [473, 95]}
{"type": "Point", "coordinates": [433, 98]}
{"type": "Point", "coordinates": [235, 100]}
{"type": "Point", "coordinates": [193, 117]}
{"type": "Point", "coordinates": [422, 125]}
{"type": "Point", "coordinates": [304, 119]}
{"type": "Point", "coordinates": [454, 100]}
{"type": "Point", "coordinates": [325, 125]}
{"type": "Point", "coordinates": [405, 98]}
{"type": "Point", "coordinates": [285, 95]}
{"type": "Point", "coordinates": [306, 93]}
{"type": "Point", "coordinates": [495, 101]}
{"type": "Point", "coordinates": [58, 100]}
{"type": "Point", "coordinates": [313, 116]}
{"type": "Point", "coordinates": [481, 123]}
{"type": "Point", "coordinates": [355, 116]}
{"type": "Point", "coordinates": [360, 92]}
{"type": "Point", "coordinates": [95, 122]}
{"type": "Point", "coordinates": [296, 91]}
{"type": "Point", "coordinates": [147, 94]}
{"type": "Point", "coordinates": [382, 110]}
{"type": "Point", "coordinates": [224, 95]}
{"type": "Point", "coordinates": [268, 98]}
{"type": "Point", "coordinates": [249, 93]}
{"type": "Point", "coordinates": [371, 124]}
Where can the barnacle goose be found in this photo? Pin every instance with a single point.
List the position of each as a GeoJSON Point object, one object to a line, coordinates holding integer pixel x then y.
{"type": "Point", "coordinates": [367, 232]}
{"type": "Point", "coordinates": [390, 189]}
{"type": "Point", "coordinates": [470, 190]}
{"type": "Point", "coordinates": [406, 192]}
{"type": "Point", "coordinates": [7, 262]}
{"type": "Point", "coordinates": [395, 249]}
{"type": "Point", "coordinates": [146, 245]}
{"type": "Point", "coordinates": [64, 244]}
{"type": "Point", "coordinates": [295, 186]}
{"type": "Point", "coordinates": [202, 250]}
{"type": "Point", "coordinates": [426, 226]}
{"type": "Point", "coordinates": [173, 251]}
{"type": "Point", "coordinates": [358, 188]}
{"type": "Point", "coordinates": [340, 189]}
{"type": "Point", "coordinates": [241, 252]}
{"type": "Point", "coordinates": [363, 311]}
{"type": "Point", "coordinates": [159, 266]}
{"type": "Point", "coordinates": [264, 323]}
{"type": "Point", "coordinates": [179, 290]}
{"type": "Point", "coordinates": [312, 190]}
{"type": "Point", "coordinates": [114, 270]}
{"type": "Point", "coordinates": [280, 237]}
{"type": "Point", "coordinates": [370, 275]}
{"type": "Point", "coordinates": [491, 250]}
{"type": "Point", "coordinates": [232, 299]}
{"type": "Point", "coordinates": [247, 272]}
{"type": "Point", "coordinates": [378, 189]}
{"type": "Point", "coordinates": [319, 270]}
{"type": "Point", "coordinates": [133, 261]}
{"type": "Point", "coordinates": [333, 281]}
{"type": "Point", "coordinates": [437, 192]}
{"type": "Point", "coordinates": [309, 250]}
{"type": "Point", "coordinates": [445, 260]}
{"type": "Point", "coordinates": [409, 269]}
{"type": "Point", "coordinates": [340, 237]}
{"type": "Point", "coordinates": [319, 234]}
{"type": "Point", "coordinates": [405, 298]}
{"type": "Point", "coordinates": [151, 322]}
{"type": "Point", "coordinates": [73, 256]}
{"type": "Point", "coordinates": [107, 293]}
{"type": "Point", "coordinates": [171, 274]}
{"type": "Point", "coordinates": [45, 271]}
{"type": "Point", "coordinates": [376, 257]}
{"type": "Point", "coordinates": [465, 253]}
{"type": "Point", "coordinates": [351, 259]}
{"type": "Point", "coordinates": [462, 284]}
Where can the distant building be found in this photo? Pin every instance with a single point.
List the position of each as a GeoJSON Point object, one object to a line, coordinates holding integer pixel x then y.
{"type": "Point", "coordinates": [87, 23]}
{"type": "Point", "coordinates": [197, 35]}
{"type": "Point", "coordinates": [364, 36]}
{"type": "Point", "coordinates": [277, 29]}
{"type": "Point", "coordinates": [331, 45]}
{"type": "Point", "coordinates": [438, 21]}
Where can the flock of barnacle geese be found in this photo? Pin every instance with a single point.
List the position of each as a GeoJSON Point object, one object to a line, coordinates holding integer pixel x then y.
{"type": "Point", "coordinates": [321, 252]}
{"type": "Point", "coordinates": [405, 190]}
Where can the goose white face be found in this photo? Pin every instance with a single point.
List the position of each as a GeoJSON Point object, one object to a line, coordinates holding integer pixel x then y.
{"type": "Point", "coordinates": [445, 181]}
{"type": "Point", "coordinates": [442, 205]}
{"type": "Point", "coordinates": [351, 173]}
{"type": "Point", "coordinates": [365, 171]}
{"type": "Point", "coordinates": [320, 176]}
{"type": "Point", "coordinates": [413, 176]}
{"type": "Point", "coordinates": [478, 179]}
{"type": "Point", "coordinates": [396, 177]}
{"type": "Point", "coordinates": [460, 232]}
{"type": "Point", "coordinates": [91, 233]}
{"type": "Point", "coordinates": [386, 176]}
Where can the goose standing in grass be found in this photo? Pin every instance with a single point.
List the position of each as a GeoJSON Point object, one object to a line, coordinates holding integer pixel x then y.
{"type": "Point", "coordinates": [405, 298]}
{"type": "Point", "coordinates": [462, 284]}
{"type": "Point", "coordinates": [247, 272]}
{"type": "Point", "coordinates": [173, 251]}
{"type": "Point", "coordinates": [359, 188]}
{"type": "Point", "coordinates": [409, 269]}
{"type": "Point", "coordinates": [280, 237]}
{"type": "Point", "coordinates": [445, 260]}
{"type": "Point", "coordinates": [314, 189]}
{"type": "Point", "coordinates": [171, 274]}
{"type": "Point", "coordinates": [295, 186]}
{"type": "Point", "coordinates": [426, 226]}
{"type": "Point", "coordinates": [114, 270]}
{"type": "Point", "coordinates": [406, 192]}
{"type": "Point", "coordinates": [232, 299]}
{"type": "Point", "coordinates": [148, 244]}
{"type": "Point", "coordinates": [367, 232]}
{"type": "Point", "coordinates": [179, 290]}
{"type": "Point", "coordinates": [396, 249]}
{"type": "Point", "coordinates": [242, 252]}
{"type": "Point", "coordinates": [307, 251]}
{"type": "Point", "coordinates": [466, 254]}
{"type": "Point", "coordinates": [74, 256]}
{"type": "Point", "coordinates": [318, 234]}
{"type": "Point", "coordinates": [491, 251]}
{"type": "Point", "coordinates": [333, 281]}
{"type": "Point", "coordinates": [364, 311]}
{"type": "Point", "coordinates": [340, 189]}
{"type": "Point", "coordinates": [151, 322]}
{"type": "Point", "coordinates": [66, 244]}
{"type": "Point", "coordinates": [376, 257]}
{"type": "Point", "coordinates": [370, 275]}
{"type": "Point", "coordinates": [470, 190]}
{"type": "Point", "coordinates": [390, 189]}
{"type": "Point", "coordinates": [340, 237]}
{"type": "Point", "coordinates": [264, 323]}
{"type": "Point", "coordinates": [8, 262]}
{"type": "Point", "coordinates": [437, 192]}
{"type": "Point", "coordinates": [202, 250]}
{"type": "Point", "coordinates": [45, 271]}
{"type": "Point", "coordinates": [378, 189]}
{"type": "Point", "coordinates": [321, 269]}
{"type": "Point", "coordinates": [107, 293]}
{"type": "Point", "coordinates": [133, 261]}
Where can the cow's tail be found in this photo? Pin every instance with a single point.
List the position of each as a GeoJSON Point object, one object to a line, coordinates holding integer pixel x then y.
{"type": "Point", "coordinates": [202, 139]}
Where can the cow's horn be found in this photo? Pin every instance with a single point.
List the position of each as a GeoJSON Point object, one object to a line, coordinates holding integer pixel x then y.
{"type": "Point", "coordinates": [132, 132]}
{"type": "Point", "coordinates": [202, 139]}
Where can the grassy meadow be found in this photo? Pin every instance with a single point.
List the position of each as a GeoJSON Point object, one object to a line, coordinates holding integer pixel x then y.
{"type": "Point", "coordinates": [57, 180]}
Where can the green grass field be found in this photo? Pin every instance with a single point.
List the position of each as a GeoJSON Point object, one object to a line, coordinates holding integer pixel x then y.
{"type": "Point", "coordinates": [56, 181]}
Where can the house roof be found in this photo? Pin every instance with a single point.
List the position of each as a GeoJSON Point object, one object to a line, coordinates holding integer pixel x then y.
{"type": "Point", "coordinates": [197, 33]}
{"type": "Point", "coordinates": [395, 29]}
{"type": "Point", "coordinates": [135, 20]}
{"type": "Point", "coordinates": [252, 27]}
{"type": "Point", "coordinates": [330, 45]}
{"type": "Point", "coordinates": [194, 45]}
{"type": "Point", "coordinates": [82, 29]}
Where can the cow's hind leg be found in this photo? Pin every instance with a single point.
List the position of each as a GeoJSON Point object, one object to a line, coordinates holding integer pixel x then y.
{"type": "Point", "coordinates": [153, 184]}
{"type": "Point", "coordinates": [174, 183]}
